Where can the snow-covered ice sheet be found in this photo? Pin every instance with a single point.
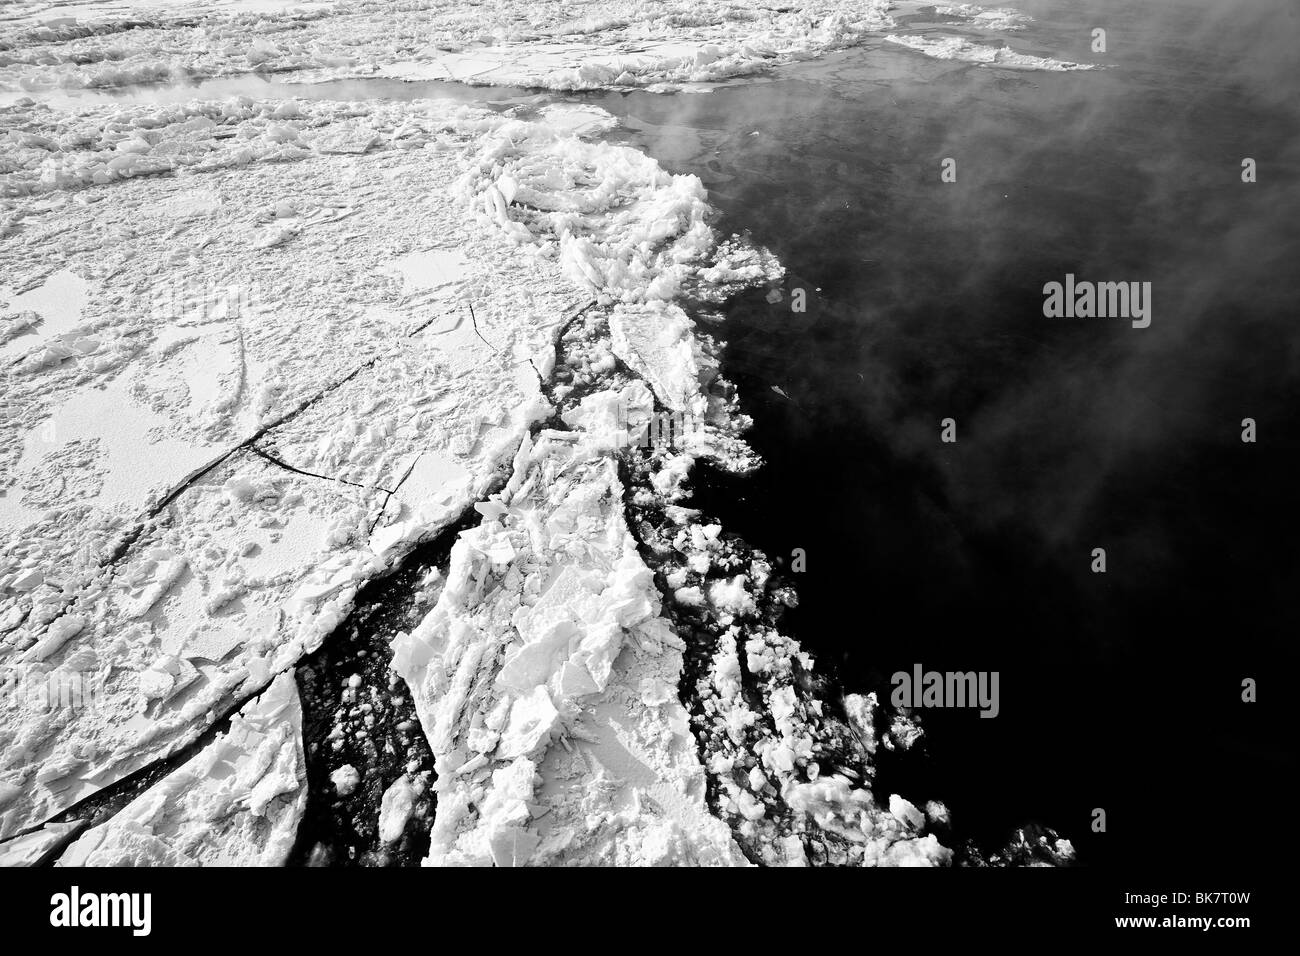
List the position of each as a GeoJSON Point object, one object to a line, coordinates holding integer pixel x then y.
{"type": "Point", "coordinates": [193, 594]}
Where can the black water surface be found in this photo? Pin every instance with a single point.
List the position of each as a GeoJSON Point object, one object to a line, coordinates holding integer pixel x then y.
{"type": "Point", "coordinates": [1121, 690]}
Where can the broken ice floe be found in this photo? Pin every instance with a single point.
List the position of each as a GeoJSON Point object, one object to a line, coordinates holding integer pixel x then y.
{"type": "Point", "coordinates": [519, 723]}
{"type": "Point", "coordinates": [983, 54]}
{"type": "Point", "coordinates": [262, 558]}
{"type": "Point", "coordinates": [235, 803]}
{"type": "Point", "coordinates": [31, 849]}
{"type": "Point", "coordinates": [994, 18]}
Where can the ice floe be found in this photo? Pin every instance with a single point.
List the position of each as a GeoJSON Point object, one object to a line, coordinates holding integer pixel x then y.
{"type": "Point", "coordinates": [235, 803]}
{"type": "Point", "coordinates": [983, 54]}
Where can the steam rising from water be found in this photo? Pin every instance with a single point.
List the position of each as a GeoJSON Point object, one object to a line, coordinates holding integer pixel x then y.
{"type": "Point", "coordinates": [926, 302]}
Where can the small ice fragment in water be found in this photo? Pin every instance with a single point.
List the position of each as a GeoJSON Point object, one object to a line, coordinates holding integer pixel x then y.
{"type": "Point", "coordinates": [345, 780]}
{"type": "Point", "coordinates": [395, 809]}
{"type": "Point", "coordinates": [905, 812]}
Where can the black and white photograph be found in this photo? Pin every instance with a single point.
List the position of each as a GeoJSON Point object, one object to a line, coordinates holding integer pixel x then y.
{"type": "Point", "coordinates": [824, 434]}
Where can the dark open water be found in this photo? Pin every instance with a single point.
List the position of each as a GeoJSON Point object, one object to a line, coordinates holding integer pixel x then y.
{"type": "Point", "coordinates": [1122, 690]}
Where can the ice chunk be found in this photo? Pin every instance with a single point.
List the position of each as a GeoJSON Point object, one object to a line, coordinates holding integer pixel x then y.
{"type": "Point", "coordinates": [532, 720]}
{"type": "Point", "coordinates": [395, 809]}
{"type": "Point", "coordinates": [905, 812]}
{"type": "Point", "coordinates": [345, 780]}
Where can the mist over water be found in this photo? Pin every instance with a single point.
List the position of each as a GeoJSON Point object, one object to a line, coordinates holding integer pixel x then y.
{"type": "Point", "coordinates": [926, 302]}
